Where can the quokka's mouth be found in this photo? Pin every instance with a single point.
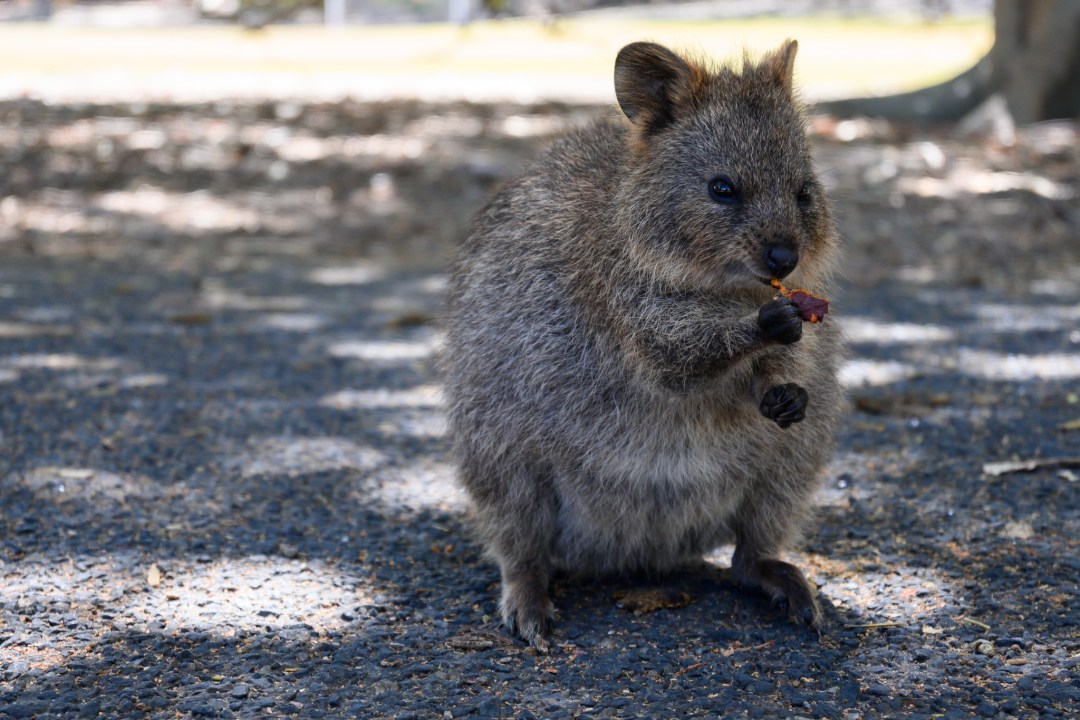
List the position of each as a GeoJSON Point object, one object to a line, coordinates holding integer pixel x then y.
{"type": "Point", "coordinates": [764, 279]}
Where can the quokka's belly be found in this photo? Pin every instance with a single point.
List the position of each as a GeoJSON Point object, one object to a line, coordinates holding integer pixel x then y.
{"type": "Point", "coordinates": [639, 531]}
{"type": "Point", "coordinates": [661, 487]}
{"type": "Point", "coordinates": [651, 504]}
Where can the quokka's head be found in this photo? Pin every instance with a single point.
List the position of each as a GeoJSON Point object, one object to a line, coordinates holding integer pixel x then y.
{"type": "Point", "coordinates": [719, 190]}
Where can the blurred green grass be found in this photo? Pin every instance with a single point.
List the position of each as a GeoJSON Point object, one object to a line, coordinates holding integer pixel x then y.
{"type": "Point", "coordinates": [838, 56]}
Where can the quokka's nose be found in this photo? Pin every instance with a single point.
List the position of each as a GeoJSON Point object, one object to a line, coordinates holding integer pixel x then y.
{"type": "Point", "coordinates": [781, 259]}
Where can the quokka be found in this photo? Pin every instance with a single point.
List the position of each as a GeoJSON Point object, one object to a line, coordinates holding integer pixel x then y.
{"type": "Point", "coordinates": [625, 390]}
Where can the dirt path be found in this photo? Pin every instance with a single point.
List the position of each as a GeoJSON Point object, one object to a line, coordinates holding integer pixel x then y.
{"type": "Point", "coordinates": [225, 490]}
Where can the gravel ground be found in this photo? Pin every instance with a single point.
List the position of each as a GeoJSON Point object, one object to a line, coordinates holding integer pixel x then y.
{"type": "Point", "coordinates": [224, 476]}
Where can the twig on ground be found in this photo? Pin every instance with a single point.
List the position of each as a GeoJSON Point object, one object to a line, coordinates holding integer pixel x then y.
{"type": "Point", "coordinates": [1014, 466]}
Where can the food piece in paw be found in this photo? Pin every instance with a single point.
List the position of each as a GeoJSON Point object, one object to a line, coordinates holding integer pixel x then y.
{"type": "Point", "coordinates": [812, 308]}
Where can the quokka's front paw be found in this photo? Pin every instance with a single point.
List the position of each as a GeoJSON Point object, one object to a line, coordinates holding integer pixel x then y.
{"type": "Point", "coordinates": [785, 404]}
{"type": "Point", "coordinates": [780, 322]}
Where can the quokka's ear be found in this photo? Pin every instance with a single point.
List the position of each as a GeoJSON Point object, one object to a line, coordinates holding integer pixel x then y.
{"type": "Point", "coordinates": [652, 84]}
{"type": "Point", "coordinates": [781, 65]}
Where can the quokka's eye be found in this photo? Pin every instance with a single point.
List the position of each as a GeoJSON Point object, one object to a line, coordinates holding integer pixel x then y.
{"type": "Point", "coordinates": [805, 196]}
{"type": "Point", "coordinates": [722, 190]}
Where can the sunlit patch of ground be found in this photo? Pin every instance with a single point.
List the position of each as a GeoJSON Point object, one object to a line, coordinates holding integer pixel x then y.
{"type": "Point", "coordinates": [865, 330]}
{"type": "Point", "coordinates": [870, 592]}
{"type": "Point", "coordinates": [423, 483]}
{"type": "Point", "coordinates": [112, 595]}
{"type": "Point", "coordinates": [291, 322]}
{"type": "Point", "coordinates": [423, 396]}
{"type": "Point", "coordinates": [384, 350]}
{"type": "Point", "coordinates": [296, 455]}
{"type": "Point", "coordinates": [353, 274]}
{"type": "Point", "coordinates": [863, 372]}
{"type": "Point", "coordinates": [1009, 366]}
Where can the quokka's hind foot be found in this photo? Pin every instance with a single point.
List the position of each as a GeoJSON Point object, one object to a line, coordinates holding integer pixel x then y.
{"type": "Point", "coordinates": [527, 610]}
{"type": "Point", "coordinates": [787, 586]}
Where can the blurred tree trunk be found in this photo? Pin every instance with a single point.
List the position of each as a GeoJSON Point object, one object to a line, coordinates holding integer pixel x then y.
{"type": "Point", "coordinates": [1034, 66]}
{"type": "Point", "coordinates": [1036, 57]}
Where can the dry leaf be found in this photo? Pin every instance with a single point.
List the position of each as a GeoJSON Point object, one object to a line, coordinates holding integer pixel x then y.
{"type": "Point", "coordinates": [191, 318]}
{"type": "Point", "coordinates": [812, 308]}
{"type": "Point", "coordinates": [478, 640]}
{"type": "Point", "coordinates": [646, 600]}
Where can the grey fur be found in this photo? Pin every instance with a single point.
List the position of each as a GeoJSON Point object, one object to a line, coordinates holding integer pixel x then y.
{"type": "Point", "coordinates": [612, 337]}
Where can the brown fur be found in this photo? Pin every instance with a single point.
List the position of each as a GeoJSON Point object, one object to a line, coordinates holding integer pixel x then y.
{"type": "Point", "coordinates": [621, 384]}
